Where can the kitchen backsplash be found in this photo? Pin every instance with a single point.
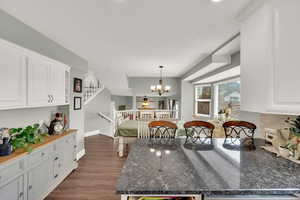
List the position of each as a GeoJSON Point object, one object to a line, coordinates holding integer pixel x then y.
{"type": "Point", "coordinates": [24, 117]}
{"type": "Point", "coordinates": [274, 121]}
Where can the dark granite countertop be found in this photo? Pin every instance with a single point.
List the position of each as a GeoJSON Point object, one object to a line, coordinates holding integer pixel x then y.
{"type": "Point", "coordinates": [207, 168]}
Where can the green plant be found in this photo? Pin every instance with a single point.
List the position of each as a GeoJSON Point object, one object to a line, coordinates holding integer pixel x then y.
{"type": "Point", "coordinates": [295, 126]}
{"type": "Point", "coordinates": [23, 137]}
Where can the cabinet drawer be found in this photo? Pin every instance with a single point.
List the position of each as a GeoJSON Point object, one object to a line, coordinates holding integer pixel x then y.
{"type": "Point", "coordinates": [11, 170]}
{"type": "Point", "coordinates": [37, 157]}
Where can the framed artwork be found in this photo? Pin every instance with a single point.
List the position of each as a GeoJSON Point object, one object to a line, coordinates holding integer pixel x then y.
{"type": "Point", "coordinates": [77, 85]}
{"type": "Point", "coordinates": [77, 103]}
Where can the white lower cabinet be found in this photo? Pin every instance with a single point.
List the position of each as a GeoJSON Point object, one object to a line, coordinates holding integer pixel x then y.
{"type": "Point", "coordinates": [39, 179]}
{"type": "Point", "coordinates": [45, 168]}
{"type": "Point", "coordinates": [13, 190]}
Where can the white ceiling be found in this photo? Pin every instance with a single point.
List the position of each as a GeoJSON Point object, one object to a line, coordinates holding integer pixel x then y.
{"type": "Point", "coordinates": [133, 37]}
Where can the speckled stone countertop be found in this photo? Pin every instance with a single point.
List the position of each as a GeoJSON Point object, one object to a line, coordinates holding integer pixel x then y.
{"type": "Point", "coordinates": [214, 167]}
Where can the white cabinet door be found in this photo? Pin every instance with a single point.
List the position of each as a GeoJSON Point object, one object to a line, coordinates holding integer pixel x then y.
{"type": "Point", "coordinates": [255, 60]}
{"type": "Point", "coordinates": [13, 190]}
{"type": "Point", "coordinates": [12, 76]}
{"type": "Point", "coordinates": [286, 64]}
{"type": "Point", "coordinates": [38, 81]}
{"type": "Point", "coordinates": [269, 59]}
{"type": "Point", "coordinates": [39, 180]}
{"type": "Point", "coordinates": [57, 84]}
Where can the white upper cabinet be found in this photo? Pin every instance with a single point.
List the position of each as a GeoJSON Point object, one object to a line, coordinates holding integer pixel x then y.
{"type": "Point", "coordinates": [270, 64]}
{"type": "Point", "coordinates": [58, 84]}
{"type": "Point", "coordinates": [38, 81]}
{"type": "Point", "coordinates": [12, 76]}
{"type": "Point", "coordinates": [31, 80]}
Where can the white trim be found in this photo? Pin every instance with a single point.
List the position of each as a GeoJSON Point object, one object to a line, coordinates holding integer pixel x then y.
{"type": "Point", "coordinates": [92, 133]}
{"type": "Point", "coordinates": [80, 154]}
{"type": "Point", "coordinates": [107, 134]}
{"type": "Point", "coordinates": [249, 10]}
{"type": "Point", "coordinates": [94, 95]}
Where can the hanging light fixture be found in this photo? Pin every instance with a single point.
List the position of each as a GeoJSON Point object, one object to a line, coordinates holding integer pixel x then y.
{"type": "Point", "coordinates": [160, 88]}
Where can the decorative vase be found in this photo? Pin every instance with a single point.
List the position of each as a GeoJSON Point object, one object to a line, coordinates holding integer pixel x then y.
{"type": "Point", "coordinates": [5, 147]}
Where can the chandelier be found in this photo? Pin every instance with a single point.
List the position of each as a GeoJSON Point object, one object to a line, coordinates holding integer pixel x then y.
{"type": "Point", "coordinates": [160, 88]}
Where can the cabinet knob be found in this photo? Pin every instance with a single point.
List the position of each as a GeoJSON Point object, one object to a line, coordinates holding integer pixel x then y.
{"type": "Point", "coordinates": [21, 194]}
{"type": "Point", "coordinates": [56, 175]}
{"type": "Point", "coordinates": [49, 98]}
{"type": "Point", "coordinates": [29, 187]}
{"type": "Point", "coordinates": [75, 146]}
{"type": "Point", "coordinates": [56, 158]}
{"type": "Point", "coordinates": [42, 154]}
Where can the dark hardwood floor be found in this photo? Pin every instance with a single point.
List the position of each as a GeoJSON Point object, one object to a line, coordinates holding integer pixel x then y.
{"type": "Point", "coordinates": [96, 176]}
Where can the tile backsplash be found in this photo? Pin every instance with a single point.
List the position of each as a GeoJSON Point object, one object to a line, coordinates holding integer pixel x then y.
{"type": "Point", "coordinates": [274, 121]}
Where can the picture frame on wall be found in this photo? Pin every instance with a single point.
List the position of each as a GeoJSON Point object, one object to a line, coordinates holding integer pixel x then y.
{"type": "Point", "coordinates": [77, 85]}
{"type": "Point", "coordinates": [77, 103]}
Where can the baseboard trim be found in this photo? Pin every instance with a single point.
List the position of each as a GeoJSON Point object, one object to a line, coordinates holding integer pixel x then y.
{"type": "Point", "coordinates": [91, 133]}
{"type": "Point", "coordinates": [106, 134]}
{"type": "Point", "coordinates": [80, 154]}
{"type": "Point", "coordinates": [96, 132]}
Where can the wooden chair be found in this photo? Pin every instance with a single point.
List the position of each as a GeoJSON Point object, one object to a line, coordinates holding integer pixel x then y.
{"type": "Point", "coordinates": [197, 130]}
{"type": "Point", "coordinates": [238, 129]}
{"type": "Point", "coordinates": [162, 129]}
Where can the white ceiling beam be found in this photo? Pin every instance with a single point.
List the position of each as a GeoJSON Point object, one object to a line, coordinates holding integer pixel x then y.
{"type": "Point", "coordinates": [235, 61]}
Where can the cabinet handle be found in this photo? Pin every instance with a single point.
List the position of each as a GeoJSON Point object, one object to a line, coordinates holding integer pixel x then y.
{"type": "Point", "coordinates": [56, 158]}
{"type": "Point", "coordinates": [48, 98]}
{"type": "Point", "coordinates": [52, 99]}
{"type": "Point", "coordinates": [75, 146]}
{"type": "Point", "coordinates": [42, 154]}
{"type": "Point", "coordinates": [29, 187]}
{"type": "Point", "coordinates": [21, 194]}
{"type": "Point", "coordinates": [75, 160]}
{"type": "Point", "coordinates": [56, 175]}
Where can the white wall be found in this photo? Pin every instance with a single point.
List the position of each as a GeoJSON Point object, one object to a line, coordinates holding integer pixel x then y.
{"type": "Point", "coordinates": [77, 116]}
{"type": "Point", "coordinates": [187, 100]}
{"type": "Point", "coordinates": [122, 100]}
{"type": "Point", "coordinates": [101, 103]}
{"type": "Point", "coordinates": [23, 117]}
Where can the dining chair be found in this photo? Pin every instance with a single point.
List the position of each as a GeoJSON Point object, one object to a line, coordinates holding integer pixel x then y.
{"type": "Point", "coordinates": [239, 129]}
{"type": "Point", "coordinates": [162, 129]}
{"type": "Point", "coordinates": [197, 130]}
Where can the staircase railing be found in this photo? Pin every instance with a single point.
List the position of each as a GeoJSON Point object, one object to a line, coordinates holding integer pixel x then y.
{"type": "Point", "coordinates": [91, 92]}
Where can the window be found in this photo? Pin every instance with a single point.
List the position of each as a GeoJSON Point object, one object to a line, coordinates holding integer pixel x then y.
{"type": "Point", "coordinates": [203, 95]}
{"type": "Point", "coordinates": [229, 98]}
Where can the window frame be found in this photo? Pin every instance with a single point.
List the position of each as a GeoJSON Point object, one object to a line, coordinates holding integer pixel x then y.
{"type": "Point", "coordinates": [196, 100]}
{"type": "Point", "coordinates": [216, 92]}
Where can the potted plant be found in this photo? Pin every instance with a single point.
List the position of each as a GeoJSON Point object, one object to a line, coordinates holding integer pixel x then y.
{"type": "Point", "coordinates": [294, 143]}
{"type": "Point", "coordinates": [23, 137]}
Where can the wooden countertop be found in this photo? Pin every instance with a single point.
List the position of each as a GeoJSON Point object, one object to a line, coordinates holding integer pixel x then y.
{"type": "Point", "coordinates": [20, 152]}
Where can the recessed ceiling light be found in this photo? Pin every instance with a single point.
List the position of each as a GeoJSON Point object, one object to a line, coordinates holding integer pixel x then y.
{"type": "Point", "coordinates": [216, 1]}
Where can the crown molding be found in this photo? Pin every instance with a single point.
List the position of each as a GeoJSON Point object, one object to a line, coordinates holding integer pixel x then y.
{"type": "Point", "coordinates": [250, 9]}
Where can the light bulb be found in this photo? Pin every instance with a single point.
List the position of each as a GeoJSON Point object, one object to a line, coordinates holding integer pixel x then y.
{"type": "Point", "coordinates": [152, 87]}
{"type": "Point", "coordinates": [167, 88]}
